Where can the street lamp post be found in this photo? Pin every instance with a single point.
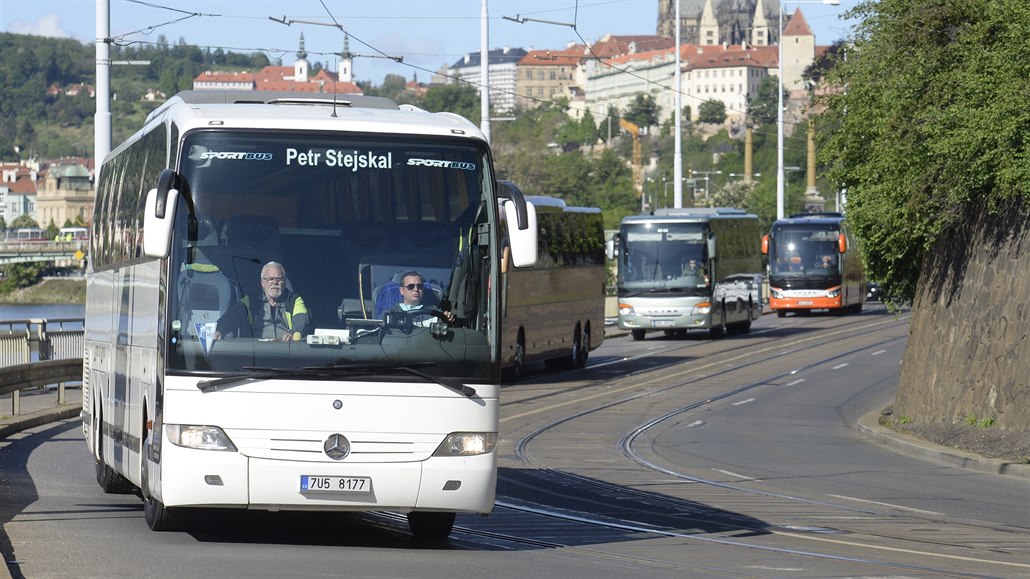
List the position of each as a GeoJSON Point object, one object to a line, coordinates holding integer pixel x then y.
{"type": "Point", "coordinates": [779, 101]}
{"type": "Point", "coordinates": [706, 174]}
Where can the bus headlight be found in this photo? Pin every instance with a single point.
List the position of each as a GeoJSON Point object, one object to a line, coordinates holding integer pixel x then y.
{"type": "Point", "coordinates": [776, 293]}
{"type": "Point", "coordinates": [467, 444]}
{"type": "Point", "coordinates": [702, 309]}
{"type": "Point", "coordinates": [199, 437]}
{"type": "Point", "coordinates": [626, 309]}
{"type": "Point", "coordinates": [833, 293]}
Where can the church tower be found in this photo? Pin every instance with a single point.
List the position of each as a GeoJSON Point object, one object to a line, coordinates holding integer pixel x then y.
{"type": "Point", "coordinates": [300, 67]}
{"type": "Point", "coordinates": [346, 72]}
{"type": "Point", "coordinates": [760, 27]}
{"type": "Point", "coordinates": [708, 29]}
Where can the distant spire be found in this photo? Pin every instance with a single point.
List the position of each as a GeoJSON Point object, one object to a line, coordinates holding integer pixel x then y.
{"type": "Point", "coordinates": [346, 66]}
{"type": "Point", "coordinates": [301, 54]}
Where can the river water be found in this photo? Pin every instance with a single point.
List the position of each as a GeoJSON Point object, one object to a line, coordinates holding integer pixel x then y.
{"type": "Point", "coordinates": [49, 311]}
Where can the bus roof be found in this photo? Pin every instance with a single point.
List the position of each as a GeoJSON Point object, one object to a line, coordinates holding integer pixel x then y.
{"type": "Point", "coordinates": [826, 218]}
{"type": "Point", "coordinates": [690, 214]}
{"type": "Point", "coordinates": [194, 109]}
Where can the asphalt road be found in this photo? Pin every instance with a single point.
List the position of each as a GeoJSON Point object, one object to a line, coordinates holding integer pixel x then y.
{"type": "Point", "coordinates": [755, 455]}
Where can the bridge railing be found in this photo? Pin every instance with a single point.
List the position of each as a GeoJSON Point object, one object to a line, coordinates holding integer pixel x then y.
{"type": "Point", "coordinates": [37, 353]}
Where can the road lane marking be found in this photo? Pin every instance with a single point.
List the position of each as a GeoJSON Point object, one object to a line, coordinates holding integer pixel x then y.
{"type": "Point", "coordinates": [888, 505]}
{"type": "Point", "coordinates": [743, 402]}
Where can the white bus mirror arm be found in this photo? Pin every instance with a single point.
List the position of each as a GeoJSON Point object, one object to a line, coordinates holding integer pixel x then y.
{"type": "Point", "coordinates": [157, 231]}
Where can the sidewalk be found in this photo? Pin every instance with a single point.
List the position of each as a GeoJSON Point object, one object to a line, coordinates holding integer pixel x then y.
{"type": "Point", "coordinates": [869, 426]}
{"type": "Point", "coordinates": [38, 407]}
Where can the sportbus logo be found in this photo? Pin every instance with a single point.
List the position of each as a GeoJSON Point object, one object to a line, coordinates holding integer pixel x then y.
{"type": "Point", "coordinates": [236, 156]}
{"type": "Point", "coordinates": [443, 164]}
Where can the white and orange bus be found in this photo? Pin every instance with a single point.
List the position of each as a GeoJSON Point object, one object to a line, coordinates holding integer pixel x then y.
{"type": "Point", "coordinates": [814, 264]}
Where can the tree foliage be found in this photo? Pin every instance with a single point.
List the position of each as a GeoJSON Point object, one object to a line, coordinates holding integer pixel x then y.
{"type": "Point", "coordinates": [931, 121]}
{"type": "Point", "coordinates": [712, 111]}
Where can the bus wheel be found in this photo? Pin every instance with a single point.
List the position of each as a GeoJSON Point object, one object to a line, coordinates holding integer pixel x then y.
{"type": "Point", "coordinates": [781, 313]}
{"type": "Point", "coordinates": [430, 526]}
{"type": "Point", "coordinates": [110, 481]}
{"type": "Point", "coordinates": [717, 331]}
{"type": "Point", "coordinates": [584, 348]}
{"type": "Point", "coordinates": [639, 334]}
{"type": "Point", "coordinates": [157, 516]}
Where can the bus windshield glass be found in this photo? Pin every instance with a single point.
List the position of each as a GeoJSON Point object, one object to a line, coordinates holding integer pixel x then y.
{"type": "Point", "coordinates": [330, 253]}
{"type": "Point", "coordinates": [663, 256]}
{"type": "Point", "coordinates": [808, 251]}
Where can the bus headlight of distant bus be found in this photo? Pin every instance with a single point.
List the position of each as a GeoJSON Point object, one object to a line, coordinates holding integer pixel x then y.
{"type": "Point", "coordinates": [833, 293]}
{"type": "Point", "coordinates": [776, 293]}
{"type": "Point", "coordinates": [199, 437]}
{"type": "Point", "coordinates": [626, 309]}
{"type": "Point", "coordinates": [702, 309]}
{"type": "Point", "coordinates": [467, 444]}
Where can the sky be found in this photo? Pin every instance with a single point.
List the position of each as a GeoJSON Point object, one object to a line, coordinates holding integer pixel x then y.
{"type": "Point", "coordinates": [427, 34]}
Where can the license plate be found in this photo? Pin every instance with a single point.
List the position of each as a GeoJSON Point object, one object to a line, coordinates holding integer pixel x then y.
{"type": "Point", "coordinates": [804, 302]}
{"type": "Point", "coordinates": [662, 323]}
{"type": "Point", "coordinates": [335, 484]}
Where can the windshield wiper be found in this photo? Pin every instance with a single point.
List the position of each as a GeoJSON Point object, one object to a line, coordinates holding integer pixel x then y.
{"type": "Point", "coordinates": [388, 369]}
{"type": "Point", "coordinates": [334, 371]}
{"type": "Point", "coordinates": [262, 373]}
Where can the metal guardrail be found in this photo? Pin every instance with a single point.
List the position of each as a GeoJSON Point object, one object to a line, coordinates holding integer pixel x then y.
{"type": "Point", "coordinates": [39, 352]}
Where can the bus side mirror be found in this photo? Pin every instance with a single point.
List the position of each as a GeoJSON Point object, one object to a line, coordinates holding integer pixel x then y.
{"type": "Point", "coordinates": [157, 230]}
{"type": "Point", "coordinates": [842, 243]}
{"type": "Point", "coordinates": [765, 244]}
{"type": "Point", "coordinates": [609, 249]}
{"type": "Point", "coordinates": [523, 242]}
{"type": "Point", "coordinates": [711, 247]}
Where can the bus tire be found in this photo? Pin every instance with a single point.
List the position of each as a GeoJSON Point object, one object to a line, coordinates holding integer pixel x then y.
{"type": "Point", "coordinates": [430, 526]}
{"type": "Point", "coordinates": [158, 517]}
{"type": "Point", "coordinates": [717, 331]}
{"type": "Point", "coordinates": [584, 347]}
{"type": "Point", "coordinates": [638, 334]}
{"type": "Point", "coordinates": [110, 481]}
{"type": "Point", "coordinates": [781, 313]}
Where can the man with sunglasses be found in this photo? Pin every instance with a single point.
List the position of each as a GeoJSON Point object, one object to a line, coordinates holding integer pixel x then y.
{"type": "Point", "coordinates": [413, 292]}
{"type": "Point", "coordinates": [277, 315]}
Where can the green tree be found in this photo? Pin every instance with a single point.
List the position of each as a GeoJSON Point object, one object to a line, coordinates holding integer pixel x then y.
{"type": "Point", "coordinates": [932, 124]}
{"type": "Point", "coordinates": [23, 221]}
{"type": "Point", "coordinates": [643, 111]}
{"type": "Point", "coordinates": [52, 230]}
{"type": "Point", "coordinates": [712, 111]}
{"type": "Point", "coordinates": [459, 98]}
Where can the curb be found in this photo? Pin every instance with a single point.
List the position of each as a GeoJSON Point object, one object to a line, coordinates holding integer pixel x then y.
{"type": "Point", "coordinates": [869, 426]}
{"type": "Point", "coordinates": [38, 418]}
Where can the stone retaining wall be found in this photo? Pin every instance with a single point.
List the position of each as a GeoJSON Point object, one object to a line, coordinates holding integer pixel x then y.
{"type": "Point", "coordinates": [968, 355]}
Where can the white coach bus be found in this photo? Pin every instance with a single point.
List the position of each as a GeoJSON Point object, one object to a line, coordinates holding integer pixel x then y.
{"type": "Point", "coordinates": [554, 311]}
{"type": "Point", "coordinates": [354, 406]}
{"type": "Point", "coordinates": [688, 269]}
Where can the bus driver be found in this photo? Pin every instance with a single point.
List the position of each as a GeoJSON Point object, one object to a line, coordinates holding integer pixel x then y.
{"type": "Point", "coordinates": [278, 314]}
{"type": "Point", "coordinates": [413, 291]}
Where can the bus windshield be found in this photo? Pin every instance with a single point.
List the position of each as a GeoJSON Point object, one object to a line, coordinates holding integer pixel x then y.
{"type": "Point", "coordinates": [377, 248]}
{"type": "Point", "coordinates": [663, 256]}
{"type": "Point", "coordinates": [809, 251]}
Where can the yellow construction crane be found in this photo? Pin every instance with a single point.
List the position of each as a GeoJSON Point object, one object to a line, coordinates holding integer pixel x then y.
{"type": "Point", "coordinates": [638, 168]}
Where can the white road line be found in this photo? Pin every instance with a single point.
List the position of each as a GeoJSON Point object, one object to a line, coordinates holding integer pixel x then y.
{"type": "Point", "coordinates": [839, 366]}
{"type": "Point", "coordinates": [878, 352]}
{"type": "Point", "coordinates": [798, 381]}
{"type": "Point", "coordinates": [735, 475]}
{"type": "Point", "coordinates": [743, 402]}
{"type": "Point", "coordinates": [888, 505]}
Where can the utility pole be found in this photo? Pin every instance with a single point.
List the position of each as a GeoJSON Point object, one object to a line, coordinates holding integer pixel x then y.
{"type": "Point", "coordinates": [102, 118]}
